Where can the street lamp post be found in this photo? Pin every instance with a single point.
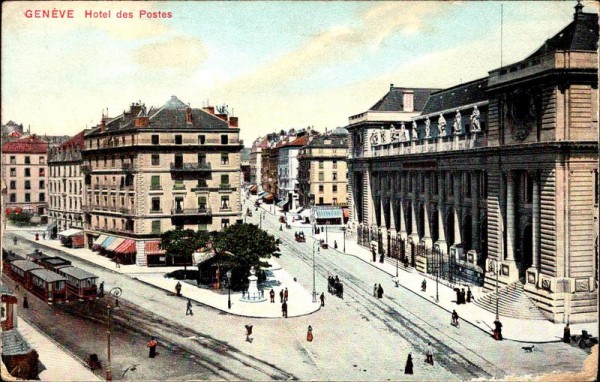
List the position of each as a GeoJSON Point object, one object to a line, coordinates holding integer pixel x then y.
{"type": "Point", "coordinates": [326, 239]}
{"type": "Point", "coordinates": [497, 271]}
{"type": "Point", "coordinates": [314, 292]}
{"type": "Point", "coordinates": [397, 250]}
{"type": "Point", "coordinates": [437, 277]}
{"type": "Point", "coordinates": [115, 292]}
{"type": "Point", "coordinates": [228, 289]}
{"type": "Point", "coordinates": [344, 233]}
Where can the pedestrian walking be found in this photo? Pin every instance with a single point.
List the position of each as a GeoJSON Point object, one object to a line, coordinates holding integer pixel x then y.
{"type": "Point", "coordinates": [375, 290]}
{"type": "Point", "coordinates": [272, 295]}
{"type": "Point", "coordinates": [188, 311]}
{"type": "Point", "coordinates": [423, 285]}
{"type": "Point", "coordinates": [373, 253]}
{"type": "Point", "coordinates": [567, 334]}
{"type": "Point", "coordinates": [284, 309]}
{"type": "Point", "coordinates": [101, 290]}
{"type": "Point", "coordinates": [178, 288]}
{"type": "Point", "coordinates": [117, 263]}
{"type": "Point", "coordinates": [379, 292]}
{"type": "Point", "coordinates": [457, 290]}
{"type": "Point", "coordinates": [463, 295]}
{"type": "Point", "coordinates": [15, 240]}
{"type": "Point", "coordinates": [281, 295]}
{"type": "Point", "coordinates": [335, 244]}
{"type": "Point", "coordinates": [25, 302]}
{"type": "Point", "coordinates": [381, 257]}
{"type": "Point", "coordinates": [248, 332]}
{"type": "Point", "coordinates": [285, 294]}
{"type": "Point", "coordinates": [44, 236]}
{"type": "Point", "coordinates": [454, 318]}
{"type": "Point", "coordinates": [408, 368]}
{"type": "Point", "coordinates": [152, 344]}
{"type": "Point", "coordinates": [469, 294]}
{"type": "Point", "coordinates": [309, 334]}
{"type": "Point", "coordinates": [341, 291]}
{"type": "Point", "coordinates": [322, 299]}
{"type": "Point", "coordinates": [497, 330]}
{"type": "Point", "coordinates": [429, 354]}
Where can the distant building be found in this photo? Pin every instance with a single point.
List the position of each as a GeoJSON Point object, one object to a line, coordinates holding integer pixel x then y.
{"type": "Point", "coordinates": [287, 172]}
{"type": "Point", "coordinates": [150, 171]}
{"type": "Point", "coordinates": [11, 131]}
{"type": "Point", "coordinates": [245, 165]}
{"type": "Point", "coordinates": [256, 162]}
{"type": "Point", "coordinates": [25, 174]}
{"type": "Point", "coordinates": [66, 188]}
{"type": "Point", "coordinates": [322, 173]}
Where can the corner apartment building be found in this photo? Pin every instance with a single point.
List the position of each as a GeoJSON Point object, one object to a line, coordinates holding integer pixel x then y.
{"type": "Point", "coordinates": [66, 185]}
{"type": "Point", "coordinates": [25, 175]}
{"type": "Point", "coordinates": [287, 172]}
{"type": "Point", "coordinates": [150, 171]}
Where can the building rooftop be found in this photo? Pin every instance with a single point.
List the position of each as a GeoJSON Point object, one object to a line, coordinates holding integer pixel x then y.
{"type": "Point", "coordinates": [76, 142]}
{"type": "Point", "coordinates": [30, 144]}
{"type": "Point", "coordinates": [13, 343]}
{"type": "Point", "coordinates": [464, 94]}
{"type": "Point", "coordinates": [394, 99]}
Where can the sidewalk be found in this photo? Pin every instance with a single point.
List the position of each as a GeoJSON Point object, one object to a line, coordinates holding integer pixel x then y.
{"type": "Point", "coordinates": [58, 363]}
{"type": "Point", "coordinates": [527, 331]}
{"type": "Point", "coordinates": [299, 304]}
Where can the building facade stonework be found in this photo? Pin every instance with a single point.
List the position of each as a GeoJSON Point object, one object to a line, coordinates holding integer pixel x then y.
{"type": "Point", "coordinates": [496, 180]}
{"type": "Point", "coordinates": [150, 171]}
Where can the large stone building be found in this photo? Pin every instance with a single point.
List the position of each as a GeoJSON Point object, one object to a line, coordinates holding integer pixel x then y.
{"type": "Point", "coordinates": [25, 174]}
{"type": "Point", "coordinates": [256, 161]}
{"type": "Point", "coordinates": [150, 171]}
{"type": "Point", "coordinates": [322, 172]}
{"type": "Point", "coordinates": [496, 182]}
{"type": "Point", "coordinates": [287, 171]}
{"type": "Point", "coordinates": [65, 185]}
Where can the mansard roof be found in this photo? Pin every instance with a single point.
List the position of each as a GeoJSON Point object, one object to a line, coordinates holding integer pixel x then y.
{"type": "Point", "coordinates": [394, 99]}
{"type": "Point", "coordinates": [464, 94]}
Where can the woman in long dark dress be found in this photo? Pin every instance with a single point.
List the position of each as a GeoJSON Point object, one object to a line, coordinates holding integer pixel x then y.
{"type": "Point", "coordinates": [408, 369]}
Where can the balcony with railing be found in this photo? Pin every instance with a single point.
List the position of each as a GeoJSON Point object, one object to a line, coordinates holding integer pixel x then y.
{"type": "Point", "coordinates": [202, 211]}
{"type": "Point", "coordinates": [187, 167]}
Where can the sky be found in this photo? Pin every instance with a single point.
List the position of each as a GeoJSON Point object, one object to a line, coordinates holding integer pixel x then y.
{"type": "Point", "coordinates": [276, 64]}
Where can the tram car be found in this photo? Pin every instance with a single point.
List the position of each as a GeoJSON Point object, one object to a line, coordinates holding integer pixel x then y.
{"type": "Point", "coordinates": [36, 256]}
{"type": "Point", "coordinates": [80, 284]}
{"type": "Point", "coordinates": [20, 271]}
{"type": "Point", "coordinates": [54, 264]}
{"type": "Point", "coordinates": [48, 285]}
{"type": "Point", "coordinates": [7, 258]}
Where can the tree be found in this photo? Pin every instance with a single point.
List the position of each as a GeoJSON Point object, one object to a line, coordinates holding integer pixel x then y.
{"type": "Point", "coordinates": [180, 244]}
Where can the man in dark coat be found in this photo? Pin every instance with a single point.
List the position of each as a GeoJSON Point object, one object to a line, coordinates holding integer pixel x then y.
{"type": "Point", "coordinates": [462, 296]}
{"type": "Point", "coordinates": [374, 254]}
{"type": "Point", "coordinates": [457, 290]}
{"type": "Point", "coordinates": [379, 292]}
{"type": "Point", "coordinates": [272, 295]}
{"type": "Point", "coordinates": [323, 299]}
{"type": "Point", "coordinates": [284, 309]}
{"type": "Point", "coordinates": [567, 334]}
{"type": "Point", "coordinates": [408, 369]}
{"type": "Point", "coordinates": [469, 294]}
{"type": "Point", "coordinates": [188, 310]}
{"type": "Point", "coordinates": [281, 295]}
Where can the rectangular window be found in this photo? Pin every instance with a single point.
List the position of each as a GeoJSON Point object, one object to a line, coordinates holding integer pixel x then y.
{"type": "Point", "coordinates": [13, 184]}
{"type": "Point", "coordinates": [42, 184]}
{"type": "Point", "coordinates": [12, 198]}
{"type": "Point", "coordinates": [334, 188]}
{"type": "Point", "coordinates": [334, 201]}
{"type": "Point", "coordinates": [321, 176]}
{"type": "Point", "coordinates": [202, 202]}
{"type": "Point", "coordinates": [13, 171]}
{"type": "Point", "coordinates": [321, 165]}
{"type": "Point", "coordinates": [28, 185]}
{"type": "Point", "coordinates": [224, 139]}
{"type": "Point", "coordinates": [42, 172]}
{"type": "Point", "coordinates": [156, 205]}
{"type": "Point", "coordinates": [156, 227]}
{"type": "Point", "coordinates": [201, 159]}
{"type": "Point", "coordinates": [178, 185]}
{"type": "Point", "coordinates": [224, 223]}
{"type": "Point", "coordinates": [27, 160]}
{"type": "Point", "coordinates": [320, 200]}
{"type": "Point", "coordinates": [43, 197]}
{"type": "Point", "coordinates": [155, 182]}
{"type": "Point", "coordinates": [225, 202]}
{"type": "Point", "coordinates": [596, 186]}
{"type": "Point", "coordinates": [321, 188]}
{"type": "Point", "coordinates": [201, 139]}
{"type": "Point", "coordinates": [334, 164]}
{"type": "Point", "coordinates": [27, 172]}
{"type": "Point", "coordinates": [155, 160]}
{"type": "Point", "coordinates": [178, 139]}
{"type": "Point", "coordinates": [225, 179]}
{"type": "Point", "coordinates": [13, 159]}
{"type": "Point", "coordinates": [225, 158]}
{"type": "Point", "coordinates": [155, 139]}
{"type": "Point", "coordinates": [27, 198]}
{"type": "Point", "coordinates": [334, 175]}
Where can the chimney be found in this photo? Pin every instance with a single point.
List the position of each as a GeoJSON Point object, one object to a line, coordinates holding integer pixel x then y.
{"type": "Point", "coordinates": [391, 86]}
{"type": "Point", "coordinates": [135, 109]}
{"type": "Point", "coordinates": [408, 100]}
{"type": "Point", "coordinates": [233, 122]}
{"type": "Point", "coordinates": [143, 121]}
{"type": "Point", "coordinates": [222, 116]}
{"type": "Point", "coordinates": [209, 109]}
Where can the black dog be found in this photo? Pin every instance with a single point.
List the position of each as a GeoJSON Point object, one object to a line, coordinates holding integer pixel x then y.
{"type": "Point", "coordinates": [528, 349]}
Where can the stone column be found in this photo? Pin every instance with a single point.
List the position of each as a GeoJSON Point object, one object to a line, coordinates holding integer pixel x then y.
{"type": "Point", "coordinates": [427, 231]}
{"type": "Point", "coordinates": [510, 217]}
{"type": "Point", "coordinates": [456, 192]}
{"type": "Point", "coordinates": [475, 211]}
{"type": "Point", "coordinates": [441, 241]}
{"type": "Point", "coordinates": [535, 223]}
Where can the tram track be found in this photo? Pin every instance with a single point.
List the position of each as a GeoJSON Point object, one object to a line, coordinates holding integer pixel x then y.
{"type": "Point", "coordinates": [450, 352]}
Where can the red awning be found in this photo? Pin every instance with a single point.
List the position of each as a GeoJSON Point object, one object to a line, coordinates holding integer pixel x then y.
{"type": "Point", "coordinates": [153, 248]}
{"type": "Point", "coordinates": [346, 213]}
{"type": "Point", "coordinates": [126, 248]}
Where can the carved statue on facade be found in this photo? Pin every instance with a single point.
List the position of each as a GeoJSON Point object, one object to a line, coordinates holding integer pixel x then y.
{"type": "Point", "coordinates": [441, 126]}
{"type": "Point", "coordinates": [402, 132]}
{"type": "Point", "coordinates": [475, 124]}
{"type": "Point", "coordinates": [393, 134]}
{"type": "Point", "coordinates": [374, 138]}
{"type": "Point", "coordinates": [382, 132]}
{"type": "Point", "coordinates": [457, 122]}
{"type": "Point", "coordinates": [427, 128]}
{"type": "Point", "coordinates": [415, 135]}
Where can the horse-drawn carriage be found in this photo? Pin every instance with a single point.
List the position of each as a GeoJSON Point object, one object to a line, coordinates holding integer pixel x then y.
{"type": "Point", "coordinates": [300, 238]}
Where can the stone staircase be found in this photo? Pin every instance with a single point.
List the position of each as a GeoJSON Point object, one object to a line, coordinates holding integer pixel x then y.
{"type": "Point", "coordinates": [512, 302]}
